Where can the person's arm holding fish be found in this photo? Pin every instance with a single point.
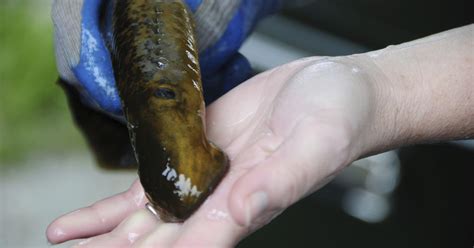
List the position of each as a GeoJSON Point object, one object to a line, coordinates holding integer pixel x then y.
{"type": "Point", "coordinates": [290, 130]}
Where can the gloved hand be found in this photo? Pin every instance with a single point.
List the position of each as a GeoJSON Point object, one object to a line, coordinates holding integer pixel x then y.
{"type": "Point", "coordinates": [221, 27]}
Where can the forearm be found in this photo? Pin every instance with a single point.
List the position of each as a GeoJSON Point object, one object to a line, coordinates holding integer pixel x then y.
{"type": "Point", "coordinates": [424, 90]}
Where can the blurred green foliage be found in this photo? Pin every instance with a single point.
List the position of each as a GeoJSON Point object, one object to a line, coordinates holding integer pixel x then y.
{"type": "Point", "coordinates": [33, 112]}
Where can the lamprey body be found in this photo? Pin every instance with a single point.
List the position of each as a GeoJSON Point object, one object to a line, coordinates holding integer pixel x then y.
{"type": "Point", "coordinates": [157, 71]}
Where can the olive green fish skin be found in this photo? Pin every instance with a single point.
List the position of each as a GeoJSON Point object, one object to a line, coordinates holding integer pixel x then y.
{"type": "Point", "coordinates": [157, 72]}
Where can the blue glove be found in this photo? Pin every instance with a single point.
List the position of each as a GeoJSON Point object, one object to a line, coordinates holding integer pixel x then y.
{"type": "Point", "coordinates": [221, 27]}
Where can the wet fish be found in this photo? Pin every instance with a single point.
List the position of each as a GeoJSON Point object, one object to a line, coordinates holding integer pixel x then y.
{"type": "Point", "coordinates": [156, 67]}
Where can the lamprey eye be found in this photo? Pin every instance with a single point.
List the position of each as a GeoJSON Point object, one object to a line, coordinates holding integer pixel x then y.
{"type": "Point", "coordinates": [165, 93]}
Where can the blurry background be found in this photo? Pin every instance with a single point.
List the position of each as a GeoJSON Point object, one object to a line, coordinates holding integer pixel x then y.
{"type": "Point", "coordinates": [45, 168]}
{"type": "Point", "coordinates": [421, 196]}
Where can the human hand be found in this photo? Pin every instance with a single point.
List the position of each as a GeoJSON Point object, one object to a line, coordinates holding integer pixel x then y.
{"type": "Point", "coordinates": [287, 132]}
{"type": "Point", "coordinates": [290, 130]}
{"type": "Point", "coordinates": [84, 61]}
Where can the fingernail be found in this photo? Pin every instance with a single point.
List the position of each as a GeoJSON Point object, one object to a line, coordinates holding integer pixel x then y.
{"type": "Point", "coordinates": [255, 204]}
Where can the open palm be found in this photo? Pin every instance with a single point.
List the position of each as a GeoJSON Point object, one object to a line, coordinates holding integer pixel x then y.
{"type": "Point", "coordinates": [287, 132]}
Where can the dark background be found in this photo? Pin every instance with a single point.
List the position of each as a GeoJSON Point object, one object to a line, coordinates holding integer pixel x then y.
{"type": "Point", "coordinates": [379, 23]}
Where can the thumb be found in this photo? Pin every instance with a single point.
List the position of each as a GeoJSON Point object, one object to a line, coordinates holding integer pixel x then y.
{"type": "Point", "coordinates": [308, 158]}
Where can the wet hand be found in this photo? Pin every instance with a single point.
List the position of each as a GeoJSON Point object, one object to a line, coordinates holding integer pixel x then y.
{"type": "Point", "coordinates": [287, 132]}
{"type": "Point", "coordinates": [290, 130]}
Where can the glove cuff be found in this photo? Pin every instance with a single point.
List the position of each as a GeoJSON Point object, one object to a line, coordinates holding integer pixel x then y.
{"type": "Point", "coordinates": [212, 18]}
{"type": "Point", "coordinates": [66, 16]}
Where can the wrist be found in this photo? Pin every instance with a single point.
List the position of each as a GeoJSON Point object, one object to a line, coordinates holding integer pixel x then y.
{"type": "Point", "coordinates": [423, 91]}
{"type": "Point", "coordinates": [386, 126]}
{"type": "Point", "coordinates": [378, 128]}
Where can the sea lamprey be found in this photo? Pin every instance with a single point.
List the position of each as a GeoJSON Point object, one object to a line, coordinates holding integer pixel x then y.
{"type": "Point", "coordinates": [157, 71]}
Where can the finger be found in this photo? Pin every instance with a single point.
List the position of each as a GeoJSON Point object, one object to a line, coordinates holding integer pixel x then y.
{"type": "Point", "coordinates": [206, 231]}
{"type": "Point", "coordinates": [163, 236]}
{"type": "Point", "coordinates": [126, 233]}
{"type": "Point", "coordinates": [97, 219]}
{"type": "Point", "coordinates": [310, 156]}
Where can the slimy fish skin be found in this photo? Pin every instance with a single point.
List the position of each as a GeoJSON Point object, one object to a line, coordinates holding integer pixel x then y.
{"type": "Point", "coordinates": [157, 72]}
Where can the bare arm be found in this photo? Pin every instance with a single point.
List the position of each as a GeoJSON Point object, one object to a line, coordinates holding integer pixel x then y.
{"type": "Point", "coordinates": [425, 90]}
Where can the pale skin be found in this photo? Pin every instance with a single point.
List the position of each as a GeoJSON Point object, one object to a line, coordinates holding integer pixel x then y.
{"type": "Point", "coordinates": [290, 130]}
